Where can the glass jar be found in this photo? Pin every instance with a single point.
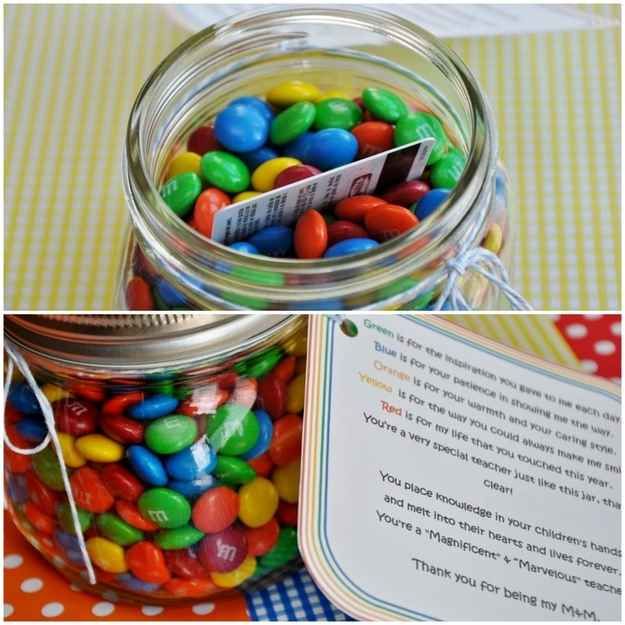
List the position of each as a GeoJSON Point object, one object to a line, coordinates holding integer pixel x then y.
{"type": "Point", "coordinates": [169, 265]}
{"type": "Point", "coordinates": [180, 435]}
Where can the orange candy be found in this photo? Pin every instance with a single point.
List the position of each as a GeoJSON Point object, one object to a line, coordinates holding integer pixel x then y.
{"type": "Point", "coordinates": [130, 513]}
{"type": "Point", "coordinates": [139, 294]}
{"type": "Point", "coordinates": [207, 204]}
{"type": "Point", "coordinates": [311, 235]}
{"type": "Point", "coordinates": [216, 510]}
{"type": "Point", "coordinates": [388, 221]}
{"type": "Point", "coordinates": [356, 207]}
{"type": "Point", "coordinates": [89, 490]}
{"type": "Point", "coordinates": [261, 539]}
{"type": "Point", "coordinates": [373, 138]}
{"type": "Point", "coordinates": [43, 523]}
{"type": "Point", "coordinates": [199, 587]}
{"type": "Point", "coordinates": [147, 562]}
{"type": "Point", "coordinates": [286, 441]}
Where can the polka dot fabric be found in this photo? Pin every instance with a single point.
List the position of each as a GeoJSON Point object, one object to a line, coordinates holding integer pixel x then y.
{"type": "Point", "coordinates": [34, 591]}
{"type": "Point", "coordinates": [596, 341]}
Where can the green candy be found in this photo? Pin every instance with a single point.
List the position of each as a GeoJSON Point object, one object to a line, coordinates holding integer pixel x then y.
{"type": "Point", "coordinates": [233, 471]}
{"type": "Point", "coordinates": [117, 530]}
{"type": "Point", "coordinates": [46, 466]}
{"type": "Point", "coordinates": [421, 302]}
{"type": "Point", "coordinates": [292, 122]}
{"type": "Point", "coordinates": [178, 538]}
{"type": "Point", "coordinates": [283, 551]}
{"type": "Point", "coordinates": [168, 435]}
{"type": "Point", "coordinates": [337, 113]}
{"type": "Point", "coordinates": [446, 172]}
{"type": "Point", "coordinates": [416, 126]}
{"type": "Point", "coordinates": [225, 171]}
{"type": "Point", "coordinates": [64, 515]}
{"type": "Point", "coordinates": [165, 507]}
{"type": "Point", "coordinates": [233, 429]}
{"type": "Point", "coordinates": [261, 364]}
{"type": "Point", "coordinates": [181, 191]}
{"type": "Point", "coordinates": [384, 104]}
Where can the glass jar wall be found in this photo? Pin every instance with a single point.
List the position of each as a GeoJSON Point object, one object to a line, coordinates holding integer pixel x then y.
{"type": "Point", "coordinates": [180, 436]}
{"type": "Point", "coordinates": [169, 265]}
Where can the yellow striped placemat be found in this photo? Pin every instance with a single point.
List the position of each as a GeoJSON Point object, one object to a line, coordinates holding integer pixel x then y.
{"type": "Point", "coordinates": [71, 75]}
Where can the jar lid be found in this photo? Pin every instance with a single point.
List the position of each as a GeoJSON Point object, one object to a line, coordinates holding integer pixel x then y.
{"type": "Point", "coordinates": [141, 341]}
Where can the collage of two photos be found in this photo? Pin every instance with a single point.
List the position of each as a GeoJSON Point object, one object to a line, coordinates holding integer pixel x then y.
{"type": "Point", "coordinates": [312, 312]}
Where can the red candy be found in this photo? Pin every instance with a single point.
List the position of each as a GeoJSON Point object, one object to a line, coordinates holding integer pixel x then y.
{"type": "Point", "coordinates": [130, 513]}
{"type": "Point", "coordinates": [216, 510]}
{"type": "Point", "coordinates": [293, 174]}
{"type": "Point", "coordinates": [244, 392]}
{"type": "Point", "coordinates": [407, 193]}
{"type": "Point", "coordinates": [311, 235]}
{"type": "Point", "coordinates": [202, 140]}
{"type": "Point", "coordinates": [287, 513]}
{"type": "Point", "coordinates": [139, 294]}
{"type": "Point", "coordinates": [272, 395]}
{"type": "Point", "coordinates": [389, 221]}
{"type": "Point", "coordinates": [89, 490]}
{"type": "Point", "coordinates": [185, 563]}
{"type": "Point", "coordinates": [373, 138]}
{"type": "Point", "coordinates": [204, 400]}
{"type": "Point", "coordinates": [42, 496]}
{"type": "Point", "coordinates": [262, 464]}
{"type": "Point", "coordinates": [43, 523]}
{"type": "Point", "coordinates": [262, 539]}
{"type": "Point", "coordinates": [118, 404]}
{"type": "Point", "coordinates": [11, 414]}
{"type": "Point", "coordinates": [285, 369]}
{"type": "Point", "coordinates": [16, 463]}
{"type": "Point", "coordinates": [88, 391]}
{"type": "Point", "coordinates": [122, 429]}
{"type": "Point", "coordinates": [286, 441]}
{"type": "Point", "coordinates": [208, 203]}
{"type": "Point", "coordinates": [356, 207]}
{"type": "Point", "coordinates": [121, 483]}
{"type": "Point", "coordinates": [147, 562]}
{"type": "Point", "coordinates": [74, 416]}
{"type": "Point", "coordinates": [224, 551]}
{"type": "Point", "coordinates": [342, 229]}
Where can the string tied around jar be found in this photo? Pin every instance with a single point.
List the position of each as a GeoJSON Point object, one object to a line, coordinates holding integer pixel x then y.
{"type": "Point", "coordinates": [17, 360]}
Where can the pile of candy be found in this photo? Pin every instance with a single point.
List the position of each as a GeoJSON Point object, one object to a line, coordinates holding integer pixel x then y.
{"type": "Point", "coordinates": [256, 145]}
{"type": "Point", "coordinates": [180, 492]}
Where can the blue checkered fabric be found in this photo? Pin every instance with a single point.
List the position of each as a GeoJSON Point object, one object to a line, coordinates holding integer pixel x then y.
{"type": "Point", "coordinates": [294, 597]}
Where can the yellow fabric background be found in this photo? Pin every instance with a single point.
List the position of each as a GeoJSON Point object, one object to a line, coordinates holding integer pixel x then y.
{"type": "Point", "coordinates": [71, 74]}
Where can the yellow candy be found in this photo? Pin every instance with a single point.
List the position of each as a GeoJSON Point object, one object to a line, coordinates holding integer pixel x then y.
{"type": "Point", "coordinates": [245, 195]}
{"type": "Point", "coordinates": [300, 365]}
{"type": "Point", "coordinates": [296, 346]}
{"type": "Point", "coordinates": [333, 93]}
{"type": "Point", "coordinates": [183, 163]}
{"type": "Point", "coordinates": [53, 392]}
{"type": "Point", "coordinates": [107, 555]}
{"type": "Point", "coordinates": [258, 502]}
{"type": "Point", "coordinates": [493, 239]}
{"type": "Point", "coordinates": [98, 448]}
{"type": "Point", "coordinates": [236, 577]}
{"type": "Point", "coordinates": [265, 175]}
{"type": "Point", "coordinates": [295, 394]}
{"type": "Point", "coordinates": [293, 91]}
{"type": "Point", "coordinates": [286, 481]}
{"type": "Point", "coordinates": [71, 455]}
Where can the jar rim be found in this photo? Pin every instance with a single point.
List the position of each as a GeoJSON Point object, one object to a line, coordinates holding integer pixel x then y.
{"type": "Point", "coordinates": [164, 230]}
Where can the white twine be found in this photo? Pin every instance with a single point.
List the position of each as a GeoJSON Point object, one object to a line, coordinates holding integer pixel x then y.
{"type": "Point", "coordinates": [48, 415]}
{"type": "Point", "coordinates": [487, 264]}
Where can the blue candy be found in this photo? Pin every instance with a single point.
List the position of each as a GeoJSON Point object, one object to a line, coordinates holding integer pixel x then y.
{"type": "Point", "coordinates": [430, 202]}
{"type": "Point", "coordinates": [332, 147]}
{"type": "Point", "coordinates": [257, 157]}
{"type": "Point", "coordinates": [264, 438]}
{"type": "Point", "coordinates": [256, 103]}
{"type": "Point", "coordinates": [350, 246]}
{"type": "Point", "coordinates": [194, 488]}
{"type": "Point", "coordinates": [273, 240]}
{"type": "Point", "coordinates": [170, 295]}
{"type": "Point", "coordinates": [299, 148]}
{"type": "Point", "coordinates": [131, 582]}
{"type": "Point", "coordinates": [23, 399]}
{"type": "Point", "coordinates": [244, 246]}
{"type": "Point", "coordinates": [32, 429]}
{"type": "Point", "coordinates": [147, 465]}
{"type": "Point", "coordinates": [320, 304]}
{"type": "Point", "coordinates": [154, 407]}
{"type": "Point", "coordinates": [192, 462]}
{"type": "Point", "coordinates": [241, 128]}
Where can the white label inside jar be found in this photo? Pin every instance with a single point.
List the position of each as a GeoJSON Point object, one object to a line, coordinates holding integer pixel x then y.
{"type": "Point", "coordinates": [284, 206]}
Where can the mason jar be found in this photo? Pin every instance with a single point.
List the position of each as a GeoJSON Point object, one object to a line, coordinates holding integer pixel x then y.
{"type": "Point", "coordinates": [179, 436]}
{"type": "Point", "coordinates": [169, 265]}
